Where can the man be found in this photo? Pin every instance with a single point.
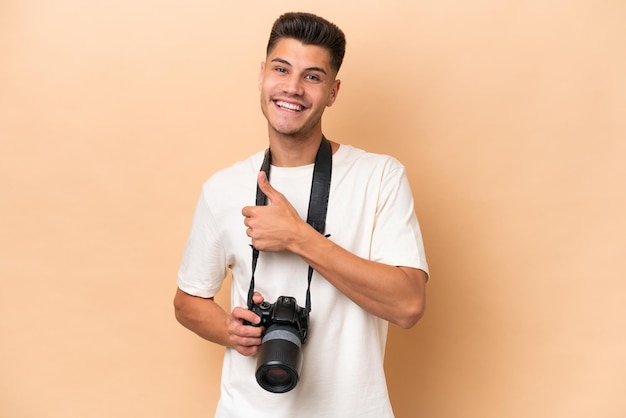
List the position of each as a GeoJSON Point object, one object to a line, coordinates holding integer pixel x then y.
{"type": "Point", "coordinates": [369, 264]}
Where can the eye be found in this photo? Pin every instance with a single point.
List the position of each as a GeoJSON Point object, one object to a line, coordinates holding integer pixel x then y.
{"type": "Point", "coordinates": [281, 69]}
{"type": "Point", "coordinates": [312, 77]}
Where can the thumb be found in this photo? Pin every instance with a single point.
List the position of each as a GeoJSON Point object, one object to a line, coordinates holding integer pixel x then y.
{"type": "Point", "coordinates": [266, 187]}
{"type": "Point", "coordinates": [257, 297]}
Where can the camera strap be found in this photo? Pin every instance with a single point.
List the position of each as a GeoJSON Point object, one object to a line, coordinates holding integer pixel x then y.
{"type": "Point", "coordinates": [318, 205]}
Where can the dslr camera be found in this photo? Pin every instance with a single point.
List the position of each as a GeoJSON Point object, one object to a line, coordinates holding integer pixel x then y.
{"type": "Point", "coordinates": [279, 359]}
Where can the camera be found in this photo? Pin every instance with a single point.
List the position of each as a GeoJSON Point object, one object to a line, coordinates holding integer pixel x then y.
{"type": "Point", "coordinates": [279, 359]}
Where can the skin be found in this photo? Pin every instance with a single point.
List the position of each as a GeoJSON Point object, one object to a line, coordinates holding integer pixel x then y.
{"type": "Point", "coordinates": [297, 83]}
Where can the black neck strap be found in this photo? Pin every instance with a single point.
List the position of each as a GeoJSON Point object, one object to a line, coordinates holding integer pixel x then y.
{"type": "Point", "coordinates": [318, 205]}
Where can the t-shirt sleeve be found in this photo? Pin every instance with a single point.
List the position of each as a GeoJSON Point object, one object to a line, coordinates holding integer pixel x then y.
{"type": "Point", "coordinates": [397, 238]}
{"type": "Point", "coordinates": [203, 267]}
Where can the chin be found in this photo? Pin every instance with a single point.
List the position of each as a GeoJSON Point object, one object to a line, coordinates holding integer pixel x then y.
{"type": "Point", "coordinates": [287, 131]}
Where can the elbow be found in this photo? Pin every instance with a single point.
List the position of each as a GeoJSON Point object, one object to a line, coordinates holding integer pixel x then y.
{"type": "Point", "coordinates": [411, 309]}
{"type": "Point", "coordinates": [178, 311]}
{"type": "Point", "coordinates": [180, 307]}
{"type": "Point", "coordinates": [411, 314]}
{"type": "Point", "coordinates": [178, 314]}
{"type": "Point", "coordinates": [191, 311]}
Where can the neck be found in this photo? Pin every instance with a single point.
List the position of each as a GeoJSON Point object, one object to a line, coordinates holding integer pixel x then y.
{"type": "Point", "coordinates": [294, 152]}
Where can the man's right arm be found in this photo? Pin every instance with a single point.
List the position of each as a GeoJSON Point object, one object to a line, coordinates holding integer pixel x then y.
{"type": "Point", "coordinates": [207, 319]}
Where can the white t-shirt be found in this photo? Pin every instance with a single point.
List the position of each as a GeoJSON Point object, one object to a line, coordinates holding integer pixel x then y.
{"type": "Point", "coordinates": [371, 214]}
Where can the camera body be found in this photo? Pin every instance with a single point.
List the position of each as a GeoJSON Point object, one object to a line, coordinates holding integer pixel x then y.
{"type": "Point", "coordinates": [279, 359]}
{"type": "Point", "coordinates": [285, 311]}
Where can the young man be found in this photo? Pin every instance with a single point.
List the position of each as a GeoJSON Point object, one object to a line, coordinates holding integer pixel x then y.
{"type": "Point", "coordinates": [369, 264]}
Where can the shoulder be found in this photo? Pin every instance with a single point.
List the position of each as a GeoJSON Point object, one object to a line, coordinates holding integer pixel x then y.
{"type": "Point", "coordinates": [353, 158]}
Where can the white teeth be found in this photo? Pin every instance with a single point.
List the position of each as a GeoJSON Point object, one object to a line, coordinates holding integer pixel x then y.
{"type": "Point", "coordinates": [288, 106]}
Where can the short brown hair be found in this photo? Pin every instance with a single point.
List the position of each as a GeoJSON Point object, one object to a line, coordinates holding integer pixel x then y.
{"type": "Point", "coordinates": [310, 30]}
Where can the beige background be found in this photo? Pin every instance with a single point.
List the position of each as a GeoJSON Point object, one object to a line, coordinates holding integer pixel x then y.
{"type": "Point", "coordinates": [508, 115]}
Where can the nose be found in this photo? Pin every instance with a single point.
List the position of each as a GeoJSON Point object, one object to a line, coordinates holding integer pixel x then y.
{"type": "Point", "coordinates": [293, 86]}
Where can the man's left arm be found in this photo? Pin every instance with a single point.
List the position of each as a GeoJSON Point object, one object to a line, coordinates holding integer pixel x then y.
{"type": "Point", "coordinates": [394, 293]}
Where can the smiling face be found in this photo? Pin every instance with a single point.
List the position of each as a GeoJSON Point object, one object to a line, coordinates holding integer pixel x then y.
{"type": "Point", "coordinates": [297, 83]}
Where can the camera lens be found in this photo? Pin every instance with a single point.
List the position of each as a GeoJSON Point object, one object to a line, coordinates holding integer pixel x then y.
{"type": "Point", "coordinates": [279, 359]}
{"type": "Point", "coordinates": [278, 378]}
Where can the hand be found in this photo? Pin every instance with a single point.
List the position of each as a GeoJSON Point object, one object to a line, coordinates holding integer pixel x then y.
{"type": "Point", "coordinates": [246, 339]}
{"type": "Point", "coordinates": [276, 226]}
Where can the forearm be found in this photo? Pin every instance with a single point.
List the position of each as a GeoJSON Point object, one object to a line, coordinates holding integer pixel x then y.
{"type": "Point", "coordinates": [396, 294]}
{"type": "Point", "coordinates": [202, 316]}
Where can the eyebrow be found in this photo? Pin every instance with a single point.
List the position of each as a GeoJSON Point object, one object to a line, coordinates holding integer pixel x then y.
{"type": "Point", "coordinates": [284, 61]}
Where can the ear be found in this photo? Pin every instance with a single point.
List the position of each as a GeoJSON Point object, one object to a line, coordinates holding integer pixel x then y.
{"type": "Point", "coordinates": [333, 93]}
{"type": "Point", "coordinates": [261, 75]}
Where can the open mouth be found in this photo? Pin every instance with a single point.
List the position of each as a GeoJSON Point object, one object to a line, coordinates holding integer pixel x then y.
{"type": "Point", "coordinates": [292, 107]}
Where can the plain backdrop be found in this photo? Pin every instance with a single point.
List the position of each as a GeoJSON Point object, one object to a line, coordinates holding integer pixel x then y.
{"type": "Point", "coordinates": [510, 119]}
